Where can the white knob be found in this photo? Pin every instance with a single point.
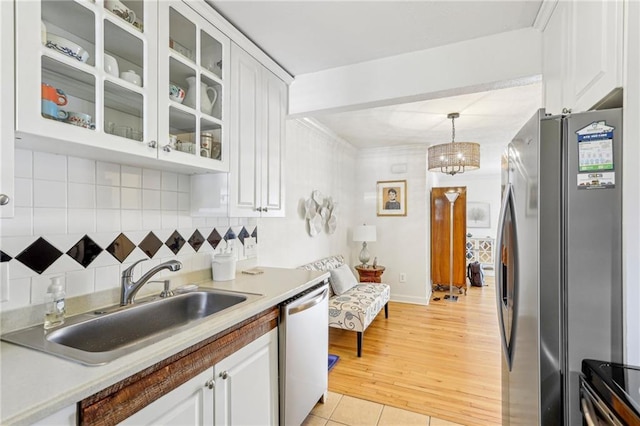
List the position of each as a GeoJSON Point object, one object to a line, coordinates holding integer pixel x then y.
{"type": "Point", "coordinates": [4, 199]}
{"type": "Point", "coordinates": [152, 144]}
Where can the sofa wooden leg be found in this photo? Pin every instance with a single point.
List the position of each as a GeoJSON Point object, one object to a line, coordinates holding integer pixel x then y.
{"type": "Point", "coordinates": [386, 310]}
{"type": "Point", "coordinates": [359, 343]}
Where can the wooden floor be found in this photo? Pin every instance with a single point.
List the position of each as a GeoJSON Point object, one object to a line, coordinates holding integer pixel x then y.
{"type": "Point", "coordinates": [442, 360]}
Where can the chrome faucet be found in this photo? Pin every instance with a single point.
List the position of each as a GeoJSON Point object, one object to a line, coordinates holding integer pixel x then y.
{"type": "Point", "coordinates": [129, 288]}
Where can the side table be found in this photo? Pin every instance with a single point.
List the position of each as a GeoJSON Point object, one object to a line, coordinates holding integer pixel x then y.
{"type": "Point", "coordinates": [369, 274]}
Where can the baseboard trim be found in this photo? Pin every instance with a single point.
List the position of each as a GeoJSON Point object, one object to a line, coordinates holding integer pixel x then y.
{"type": "Point", "coordinates": [411, 299]}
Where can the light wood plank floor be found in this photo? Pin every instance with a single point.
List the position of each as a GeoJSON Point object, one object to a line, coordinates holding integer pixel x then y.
{"type": "Point", "coordinates": [442, 360]}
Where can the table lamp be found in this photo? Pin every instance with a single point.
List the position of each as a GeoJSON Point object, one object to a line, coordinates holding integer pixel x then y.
{"type": "Point", "coordinates": [364, 233]}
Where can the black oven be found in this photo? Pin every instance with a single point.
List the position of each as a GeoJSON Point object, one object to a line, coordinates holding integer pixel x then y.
{"type": "Point", "coordinates": [609, 393]}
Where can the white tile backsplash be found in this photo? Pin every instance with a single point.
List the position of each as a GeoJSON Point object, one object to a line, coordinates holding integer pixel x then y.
{"type": "Point", "coordinates": [151, 219]}
{"type": "Point", "coordinates": [169, 181]}
{"type": "Point", "coordinates": [107, 220]}
{"type": "Point", "coordinates": [169, 219]}
{"type": "Point", "coordinates": [19, 293]}
{"type": "Point", "coordinates": [107, 197]}
{"type": "Point", "coordinates": [151, 179]}
{"type": "Point", "coordinates": [23, 192]}
{"type": "Point", "coordinates": [49, 221]}
{"type": "Point", "coordinates": [131, 177]}
{"type": "Point", "coordinates": [107, 277]}
{"type": "Point", "coordinates": [184, 183]}
{"type": "Point", "coordinates": [23, 165]}
{"type": "Point", "coordinates": [81, 220]}
{"type": "Point", "coordinates": [169, 200]}
{"type": "Point", "coordinates": [81, 196]}
{"type": "Point", "coordinates": [49, 193]}
{"type": "Point", "coordinates": [131, 220]}
{"type": "Point", "coordinates": [131, 198]}
{"type": "Point", "coordinates": [183, 202]}
{"type": "Point", "coordinates": [80, 282]}
{"type": "Point", "coordinates": [82, 170]}
{"type": "Point", "coordinates": [107, 174]}
{"type": "Point", "coordinates": [63, 198]}
{"type": "Point", "coordinates": [49, 166]}
{"type": "Point", "coordinates": [151, 199]}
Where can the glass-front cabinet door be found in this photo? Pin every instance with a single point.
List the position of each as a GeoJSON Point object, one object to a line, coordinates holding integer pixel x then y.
{"type": "Point", "coordinates": [106, 77]}
{"type": "Point", "coordinates": [192, 87]}
{"type": "Point", "coordinates": [85, 74]}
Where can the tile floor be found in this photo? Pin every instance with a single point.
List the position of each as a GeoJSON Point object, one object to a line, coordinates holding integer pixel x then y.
{"type": "Point", "coordinates": [346, 410]}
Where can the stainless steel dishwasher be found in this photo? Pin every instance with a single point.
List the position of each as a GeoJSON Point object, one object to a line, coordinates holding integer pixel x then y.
{"type": "Point", "coordinates": [304, 351]}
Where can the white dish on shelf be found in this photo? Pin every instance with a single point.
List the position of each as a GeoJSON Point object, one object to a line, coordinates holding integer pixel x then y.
{"type": "Point", "coordinates": [111, 65]}
{"type": "Point", "coordinates": [67, 47]}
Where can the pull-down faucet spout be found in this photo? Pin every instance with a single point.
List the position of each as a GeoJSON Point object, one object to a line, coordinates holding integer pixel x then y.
{"type": "Point", "coordinates": [129, 288]}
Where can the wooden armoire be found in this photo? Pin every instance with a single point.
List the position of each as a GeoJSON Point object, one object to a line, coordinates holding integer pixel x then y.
{"type": "Point", "coordinates": [440, 231]}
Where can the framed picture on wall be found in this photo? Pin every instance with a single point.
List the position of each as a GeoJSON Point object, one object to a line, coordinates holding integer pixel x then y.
{"type": "Point", "coordinates": [478, 215]}
{"type": "Point", "coordinates": [392, 198]}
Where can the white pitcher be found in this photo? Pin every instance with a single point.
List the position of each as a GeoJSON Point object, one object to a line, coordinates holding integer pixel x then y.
{"type": "Point", "coordinates": [206, 103]}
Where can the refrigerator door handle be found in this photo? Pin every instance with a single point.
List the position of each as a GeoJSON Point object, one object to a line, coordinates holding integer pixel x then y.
{"type": "Point", "coordinates": [507, 255]}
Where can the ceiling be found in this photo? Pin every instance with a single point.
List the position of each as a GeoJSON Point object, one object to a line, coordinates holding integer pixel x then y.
{"type": "Point", "coordinates": [311, 36]}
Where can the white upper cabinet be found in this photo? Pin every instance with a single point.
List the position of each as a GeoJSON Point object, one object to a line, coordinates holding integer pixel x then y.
{"type": "Point", "coordinates": [583, 54]}
{"type": "Point", "coordinates": [193, 66]}
{"type": "Point", "coordinates": [258, 109]}
{"type": "Point", "coordinates": [95, 81]}
{"type": "Point", "coordinates": [6, 111]}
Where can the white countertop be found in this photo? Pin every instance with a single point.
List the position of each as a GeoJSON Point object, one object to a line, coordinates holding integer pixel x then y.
{"type": "Point", "coordinates": [34, 385]}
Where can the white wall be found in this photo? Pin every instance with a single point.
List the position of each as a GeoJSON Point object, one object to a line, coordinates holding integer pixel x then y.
{"type": "Point", "coordinates": [402, 241]}
{"type": "Point", "coordinates": [316, 159]}
{"type": "Point", "coordinates": [480, 188]}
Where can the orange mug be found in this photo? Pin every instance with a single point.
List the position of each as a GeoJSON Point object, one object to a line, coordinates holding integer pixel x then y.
{"type": "Point", "coordinates": [52, 94]}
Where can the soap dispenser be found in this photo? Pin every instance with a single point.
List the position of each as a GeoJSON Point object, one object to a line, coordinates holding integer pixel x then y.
{"type": "Point", "coordinates": [54, 304]}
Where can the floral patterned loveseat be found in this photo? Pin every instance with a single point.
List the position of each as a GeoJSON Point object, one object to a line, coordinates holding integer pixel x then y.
{"type": "Point", "coordinates": [357, 307]}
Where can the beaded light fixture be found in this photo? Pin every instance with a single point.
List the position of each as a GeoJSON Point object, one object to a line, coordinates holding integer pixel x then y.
{"type": "Point", "coordinates": [454, 157]}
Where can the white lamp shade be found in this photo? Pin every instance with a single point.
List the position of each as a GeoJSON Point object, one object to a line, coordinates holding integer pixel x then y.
{"type": "Point", "coordinates": [364, 233]}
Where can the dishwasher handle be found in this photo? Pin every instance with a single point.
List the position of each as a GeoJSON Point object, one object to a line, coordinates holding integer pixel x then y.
{"type": "Point", "coordinates": [308, 304]}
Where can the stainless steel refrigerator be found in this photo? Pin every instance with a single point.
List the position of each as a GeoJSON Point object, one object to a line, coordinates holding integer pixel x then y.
{"type": "Point", "coordinates": [558, 264]}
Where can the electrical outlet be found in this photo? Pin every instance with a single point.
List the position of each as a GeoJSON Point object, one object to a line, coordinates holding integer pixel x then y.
{"type": "Point", "coordinates": [250, 248]}
{"type": "Point", "coordinates": [403, 277]}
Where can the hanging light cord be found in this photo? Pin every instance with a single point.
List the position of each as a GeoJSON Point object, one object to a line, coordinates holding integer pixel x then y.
{"type": "Point", "coordinates": [453, 129]}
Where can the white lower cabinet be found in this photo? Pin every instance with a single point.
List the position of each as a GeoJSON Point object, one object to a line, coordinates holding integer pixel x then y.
{"type": "Point", "coordinates": [247, 384]}
{"type": "Point", "coordinates": [241, 389]}
{"type": "Point", "coordinates": [189, 404]}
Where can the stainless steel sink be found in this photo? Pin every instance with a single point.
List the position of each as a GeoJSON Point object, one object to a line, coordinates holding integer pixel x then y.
{"type": "Point", "coordinates": [102, 336]}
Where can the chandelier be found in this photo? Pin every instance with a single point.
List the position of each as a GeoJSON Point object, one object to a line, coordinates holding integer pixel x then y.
{"type": "Point", "coordinates": [454, 157]}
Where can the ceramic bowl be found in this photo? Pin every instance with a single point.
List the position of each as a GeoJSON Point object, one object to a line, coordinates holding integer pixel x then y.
{"type": "Point", "coordinates": [67, 47]}
{"type": "Point", "coordinates": [131, 77]}
{"type": "Point", "coordinates": [111, 65]}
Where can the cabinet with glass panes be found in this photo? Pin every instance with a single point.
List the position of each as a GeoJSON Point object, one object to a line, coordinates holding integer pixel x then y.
{"type": "Point", "coordinates": [193, 71]}
{"type": "Point", "coordinates": [90, 82]}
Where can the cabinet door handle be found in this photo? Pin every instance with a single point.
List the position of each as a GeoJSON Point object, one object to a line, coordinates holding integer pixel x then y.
{"type": "Point", "coordinates": [224, 375]}
{"type": "Point", "coordinates": [153, 144]}
{"type": "Point", "coordinates": [264, 209]}
{"type": "Point", "coordinates": [258, 209]}
{"type": "Point", "coordinates": [166, 148]}
{"type": "Point", "coordinates": [210, 384]}
{"type": "Point", "coordinates": [4, 199]}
